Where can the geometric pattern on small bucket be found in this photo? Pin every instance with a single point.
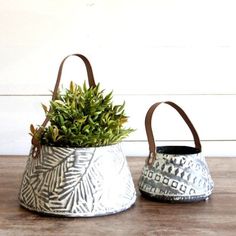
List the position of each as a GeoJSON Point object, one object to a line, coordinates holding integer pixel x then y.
{"type": "Point", "coordinates": [175, 173]}
{"type": "Point", "coordinates": [78, 182]}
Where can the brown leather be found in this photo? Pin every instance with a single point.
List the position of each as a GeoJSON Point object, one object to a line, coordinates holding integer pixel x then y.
{"type": "Point", "coordinates": [148, 126]}
{"type": "Point", "coordinates": [91, 82]}
{"type": "Point", "coordinates": [89, 73]}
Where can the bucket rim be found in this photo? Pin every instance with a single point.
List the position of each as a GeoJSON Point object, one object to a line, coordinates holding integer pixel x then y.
{"type": "Point", "coordinates": [177, 150]}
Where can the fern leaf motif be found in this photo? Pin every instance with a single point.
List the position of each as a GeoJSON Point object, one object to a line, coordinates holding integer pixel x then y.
{"type": "Point", "coordinates": [78, 181]}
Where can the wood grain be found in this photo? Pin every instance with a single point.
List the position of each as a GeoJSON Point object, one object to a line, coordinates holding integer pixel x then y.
{"type": "Point", "coordinates": [217, 216]}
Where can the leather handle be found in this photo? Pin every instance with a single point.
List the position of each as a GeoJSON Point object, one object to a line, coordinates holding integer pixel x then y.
{"type": "Point", "coordinates": [88, 68]}
{"type": "Point", "coordinates": [91, 81]}
{"type": "Point", "coordinates": [148, 126]}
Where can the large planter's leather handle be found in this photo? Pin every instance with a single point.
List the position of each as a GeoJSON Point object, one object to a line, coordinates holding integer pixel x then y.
{"type": "Point", "coordinates": [148, 126]}
{"type": "Point", "coordinates": [91, 82]}
{"type": "Point", "coordinates": [88, 68]}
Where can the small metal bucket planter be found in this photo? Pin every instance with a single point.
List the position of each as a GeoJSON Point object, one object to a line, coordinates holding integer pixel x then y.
{"type": "Point", "coordinates": [81, 182]}
{"type": "Point", "coordinates": [175, 173]}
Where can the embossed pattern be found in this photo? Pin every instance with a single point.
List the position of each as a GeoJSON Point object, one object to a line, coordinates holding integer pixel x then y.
{"type": "Point", "coordinates": [77, 182]}
{"type": "Point", "coordinates": [177, 178]}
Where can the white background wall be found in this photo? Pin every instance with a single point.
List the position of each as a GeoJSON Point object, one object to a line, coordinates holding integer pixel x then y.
{"type": "Point", "coordinates": [145, 51]}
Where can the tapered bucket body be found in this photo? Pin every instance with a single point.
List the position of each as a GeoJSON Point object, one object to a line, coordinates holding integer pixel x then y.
{"type": "Point", "coordinates": [178, 174]}
{"type": "Point", "coordinates": [77, 182]}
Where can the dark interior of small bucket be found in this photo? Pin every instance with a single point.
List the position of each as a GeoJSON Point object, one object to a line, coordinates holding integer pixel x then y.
{"type": "Point", "coordinates": [179, 150]}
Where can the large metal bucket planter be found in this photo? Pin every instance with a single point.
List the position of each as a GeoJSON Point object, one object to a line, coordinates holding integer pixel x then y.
{"type": "Point", "coordinates": [81, 182]}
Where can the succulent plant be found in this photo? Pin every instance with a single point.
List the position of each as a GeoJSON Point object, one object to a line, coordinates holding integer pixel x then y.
{"type": "Point", "coordinates": [83, 117]}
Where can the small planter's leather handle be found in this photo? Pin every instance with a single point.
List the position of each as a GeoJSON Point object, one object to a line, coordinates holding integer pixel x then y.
{"type": "Point", "coordinates": [91, 82]}
{"type": "Point", "coordinates": [148, 126]}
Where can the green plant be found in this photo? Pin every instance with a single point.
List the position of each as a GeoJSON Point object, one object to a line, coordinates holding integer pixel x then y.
{"type": "Point", "coordinates": [83, 117]}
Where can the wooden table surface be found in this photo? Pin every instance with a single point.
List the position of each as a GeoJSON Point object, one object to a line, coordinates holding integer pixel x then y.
{"type": "Point", "coordinates": [217, 216]}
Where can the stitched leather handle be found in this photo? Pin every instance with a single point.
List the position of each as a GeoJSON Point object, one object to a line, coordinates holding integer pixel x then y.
{"type": "Point", "coordinates": [148, 126]}
{"type": "Point", "coordinates": [91, 82]}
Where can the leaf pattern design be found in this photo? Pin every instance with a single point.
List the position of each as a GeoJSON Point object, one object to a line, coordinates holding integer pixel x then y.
{"type": "Point", "coordinates": [78, 181]}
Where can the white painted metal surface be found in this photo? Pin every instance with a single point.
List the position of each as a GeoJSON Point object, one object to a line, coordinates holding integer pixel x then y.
{"type": "Point", "coordinates": [80, 182]}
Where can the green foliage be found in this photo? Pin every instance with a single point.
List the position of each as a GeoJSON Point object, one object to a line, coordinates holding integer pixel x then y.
{"type": "Point", "coordinates": [83, 117]}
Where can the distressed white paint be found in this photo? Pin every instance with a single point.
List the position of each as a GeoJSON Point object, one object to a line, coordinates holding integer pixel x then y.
{"type": "Point", "coordinates": [146, 51]}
